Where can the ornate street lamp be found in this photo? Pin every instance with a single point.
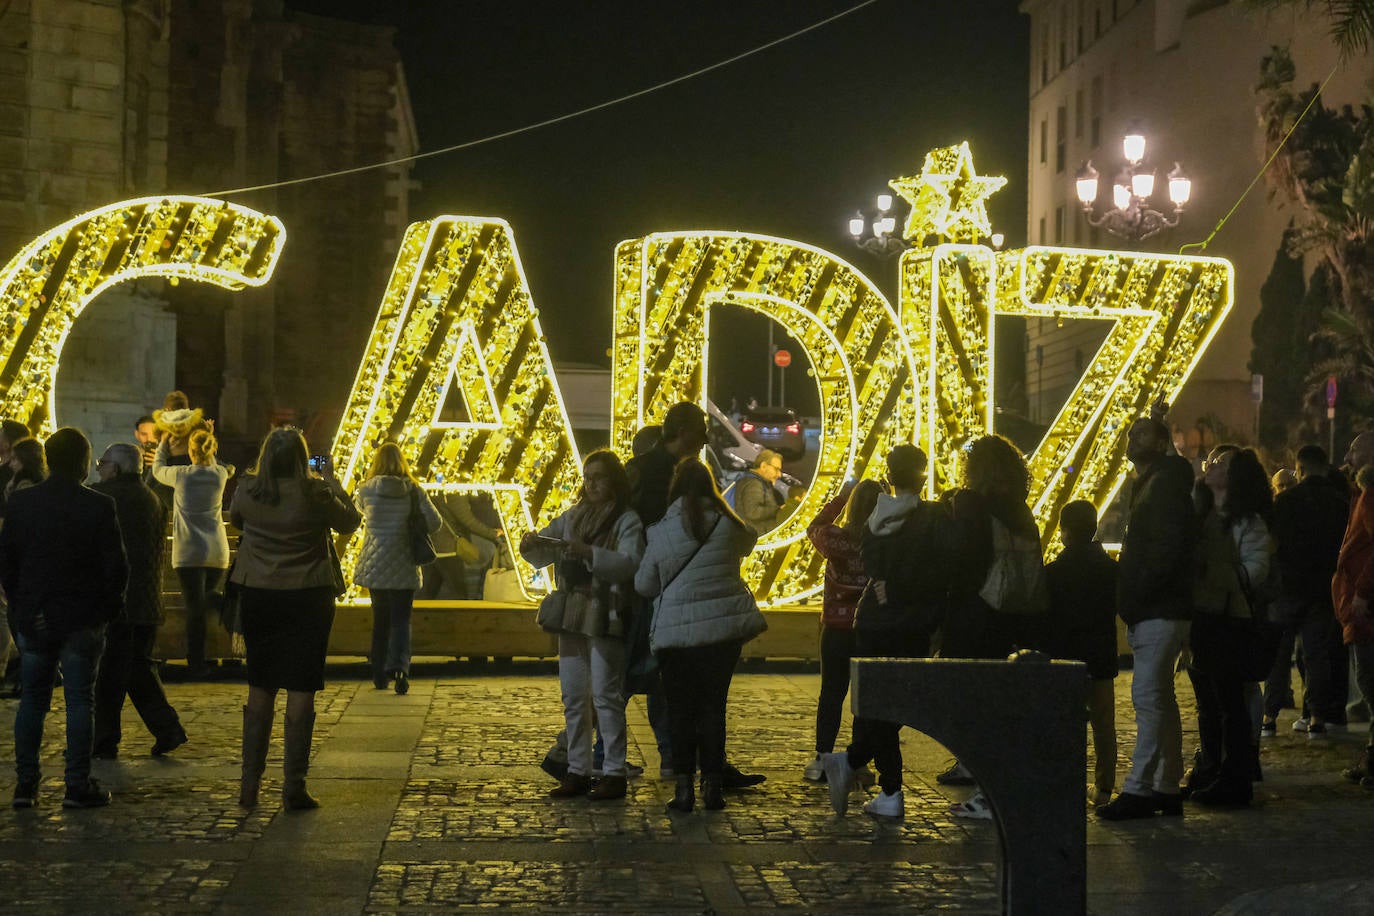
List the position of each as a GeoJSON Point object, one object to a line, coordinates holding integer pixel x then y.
{"type": "Point", "coordinates": [878, 234]}
{"type": "Point", "coordinates": [1130, 217]}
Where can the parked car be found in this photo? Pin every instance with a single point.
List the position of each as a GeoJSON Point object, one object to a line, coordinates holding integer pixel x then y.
{"type": "Point", "coordinates": [733, 452]}
{"type": "Point", "coordinates": [777, 428]}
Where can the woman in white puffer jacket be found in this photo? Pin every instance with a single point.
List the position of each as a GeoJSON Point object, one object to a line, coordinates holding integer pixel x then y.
{"type": "Point", "coordinates": [386, 567]}
{"type": "Point", "coordinates": [702, 618]}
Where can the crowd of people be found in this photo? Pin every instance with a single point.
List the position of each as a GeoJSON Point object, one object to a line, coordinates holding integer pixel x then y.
{"type": "Point", "coordinates": [1224, 570]}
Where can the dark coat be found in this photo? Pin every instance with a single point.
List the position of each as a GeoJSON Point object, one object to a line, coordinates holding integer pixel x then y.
{"type": "Point", "coordinates": [143, 523]}
{"type": "Point", "coordinates": [1156, 571]}
{"type": "Point", "coordinates": [1308, 526]}
{"type": "Point", "coordinates": [651, 476]}
{"type": "Point", "coordinates": [62, 557]}
{"type": "Point", "coordinates": [1082, 621]}
{"type": "Point", "coordinates": [905, 546]}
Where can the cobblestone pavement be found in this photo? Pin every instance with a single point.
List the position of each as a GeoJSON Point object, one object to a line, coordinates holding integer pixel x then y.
{"type": "Point", "coordinates": [434, 802]}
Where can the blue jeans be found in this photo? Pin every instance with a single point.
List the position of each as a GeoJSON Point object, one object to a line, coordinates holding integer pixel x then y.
{"type": "Point", "coordinates": [1157, 764]}
{"type": "Point", "coordinates": [391, 609]}
{"type": "Point", "coordinates": [79, 654]}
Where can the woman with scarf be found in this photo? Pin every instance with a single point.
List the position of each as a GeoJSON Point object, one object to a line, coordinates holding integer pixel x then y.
{"type": "Point", "coordinates": [595, 547]}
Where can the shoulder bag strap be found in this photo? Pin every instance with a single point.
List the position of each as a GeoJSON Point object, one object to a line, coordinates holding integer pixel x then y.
{"type": "Point", "coordinates": [692, 556]}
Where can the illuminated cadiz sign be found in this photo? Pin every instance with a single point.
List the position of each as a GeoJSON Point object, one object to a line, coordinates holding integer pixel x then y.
{"type": "Point", "coordinates": [51, 280]}
{"type": "Point", "coordinates": [457, 325]}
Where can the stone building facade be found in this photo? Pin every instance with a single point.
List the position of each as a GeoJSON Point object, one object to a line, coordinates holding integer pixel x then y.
{"type": "Point", "coordinates": [102, 100]}
{"type": "Point", "coordinates": [1183, 71]}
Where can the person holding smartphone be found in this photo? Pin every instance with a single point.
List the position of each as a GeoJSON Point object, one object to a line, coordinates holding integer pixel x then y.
{"type": "Point", "coordinates": [286, 579]}
{"type": "Point", "coordinates": [595, 548]}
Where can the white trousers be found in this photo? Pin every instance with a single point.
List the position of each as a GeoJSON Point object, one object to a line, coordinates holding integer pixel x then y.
{"type": "Point", "coordinates": [1157, 764]}
{"type": "Point", "coordinates": [589, 671]}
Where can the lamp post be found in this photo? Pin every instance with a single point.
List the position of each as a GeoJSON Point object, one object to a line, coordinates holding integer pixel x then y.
{"type": "Point", "coordinates": [1130, 216]}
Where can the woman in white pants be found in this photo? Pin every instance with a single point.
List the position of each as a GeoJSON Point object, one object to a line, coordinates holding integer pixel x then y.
{"type": "Point", "coordinates": [596, 547]}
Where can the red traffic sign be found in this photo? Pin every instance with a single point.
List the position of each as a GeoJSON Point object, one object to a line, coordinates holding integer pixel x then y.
{"type": "Point", "coordinates": [782, 358]}
{"type": "Point", "coordinates": [1330, 391]}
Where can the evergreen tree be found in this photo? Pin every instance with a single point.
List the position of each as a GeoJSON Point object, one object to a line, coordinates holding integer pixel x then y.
{"type": "Point", "coordinates": [1281, 350]}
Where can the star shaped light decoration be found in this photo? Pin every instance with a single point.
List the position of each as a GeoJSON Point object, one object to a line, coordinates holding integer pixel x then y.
{"type": "Point", "coordinates": [948, 199]}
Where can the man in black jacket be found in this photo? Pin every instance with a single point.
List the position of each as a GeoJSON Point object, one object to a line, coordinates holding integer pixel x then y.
{"type": "Point", "coordinates": [128, 667]}
{"type": "Point", "coordinates": [63, 567]}
{"type": "Point", "coordinates": [1308, 528]}
{"type": "Point", "coordinates": [1154, 598]}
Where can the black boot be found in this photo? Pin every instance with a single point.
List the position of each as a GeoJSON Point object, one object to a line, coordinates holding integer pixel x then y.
{"type": "Point", "coordinates": [711, 799]}
{"type": "Point", "coordinates": [684, 797]}
{"type": "Point", "coordinates": [296, 763]}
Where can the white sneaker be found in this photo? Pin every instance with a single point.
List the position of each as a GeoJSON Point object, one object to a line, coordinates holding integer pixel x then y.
{"type": "Point", "coordinates": [840, 775]}
{"type": "Point", "coordinates": [814, 771]}
{"type": "Point", "coordinates": [1299, 725]}
{"type": "Point", "coordinates": [884, 805]}
{"type": "Point", "coordinates": [976, 808]}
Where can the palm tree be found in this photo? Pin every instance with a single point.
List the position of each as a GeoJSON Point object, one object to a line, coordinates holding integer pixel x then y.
{"type": "Point", "coordinates": [1352, 21]}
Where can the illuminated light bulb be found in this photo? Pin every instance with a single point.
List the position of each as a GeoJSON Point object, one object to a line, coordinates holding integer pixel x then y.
{"type": "Point", "coordinates": [1143, 184]}
{"type": "Point", "coordinates": [1121, 197]}
{"type": "Point", "coordinates": [1086, 184]}
{"type": "Point", "coordinates": [857, 224]}
{"type": "Point", "coordinates": [884, 202]}
{"type": "Point", "coordinates": [1180, 188]}
{"type": "Point", "coordinates": [1133, 147]}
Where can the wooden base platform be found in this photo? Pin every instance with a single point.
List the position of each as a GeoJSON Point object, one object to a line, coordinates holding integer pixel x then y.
{"type": "Point", "coordinates": [468, 629]}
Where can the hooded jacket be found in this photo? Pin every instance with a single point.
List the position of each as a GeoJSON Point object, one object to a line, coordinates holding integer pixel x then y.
{"type": "Point", "coordinates": [384, 561]}
{"type": "Point", "coordinates": [702, 600]}
{"type": "Point", "coordinates": [906, 553]}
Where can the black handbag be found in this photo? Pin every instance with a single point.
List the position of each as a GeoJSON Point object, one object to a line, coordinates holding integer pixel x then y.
{"type": "Point", "coordinates": [421, 546]}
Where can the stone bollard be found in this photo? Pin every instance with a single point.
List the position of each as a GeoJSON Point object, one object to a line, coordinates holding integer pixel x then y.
{"type": "Point", "coordinates": [1020, 730]}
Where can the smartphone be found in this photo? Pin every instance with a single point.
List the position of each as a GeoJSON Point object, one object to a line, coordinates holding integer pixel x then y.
{"type": "Point", "coordinates": [550, 542]}
{"type": "Point", "coordinates": [319, 463]}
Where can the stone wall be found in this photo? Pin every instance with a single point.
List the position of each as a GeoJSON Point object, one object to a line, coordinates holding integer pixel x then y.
{"type": "Point", "coordinates": [261, 94]}
{"type": "Point", "coordinates": [102, 100]}
{"type": "Point", "coordinates": [83, 123]}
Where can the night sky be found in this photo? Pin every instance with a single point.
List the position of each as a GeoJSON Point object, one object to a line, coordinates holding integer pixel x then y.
{"type": "Point", "coordinates": [788, 142]}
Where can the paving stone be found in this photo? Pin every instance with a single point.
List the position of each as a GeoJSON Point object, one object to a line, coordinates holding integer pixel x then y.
{"type": "Point", "coordinates": [462, 821]}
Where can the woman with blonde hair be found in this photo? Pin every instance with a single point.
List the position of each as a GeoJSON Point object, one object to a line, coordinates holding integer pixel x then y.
{"type": "Point", "coordinates": [386, 567]}
{"type": "Point", "coordinates": [200, 549]}
{"type": "Point", "coordinates": [285, 572]}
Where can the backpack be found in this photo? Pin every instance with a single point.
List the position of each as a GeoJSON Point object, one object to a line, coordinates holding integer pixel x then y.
{"type": "Point", "coordinates": [1016, 581]}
